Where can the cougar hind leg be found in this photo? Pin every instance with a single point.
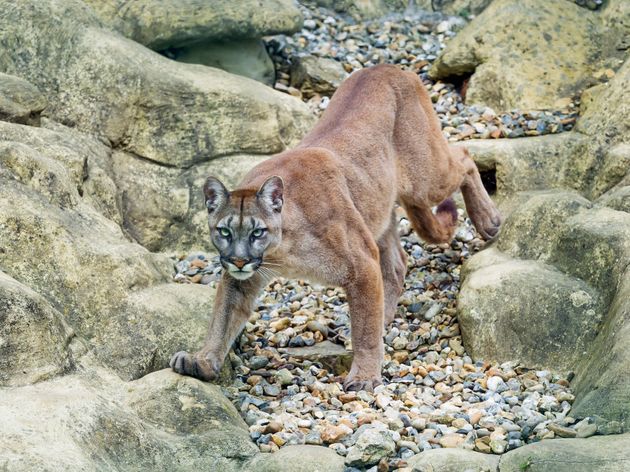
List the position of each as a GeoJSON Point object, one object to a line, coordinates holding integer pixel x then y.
{"type": "Point", "coordinates": [481, 209]}
{"type": "Point", "coordinates": [433, 228]}
{"type": "Point", "coordinates": [393, 262]}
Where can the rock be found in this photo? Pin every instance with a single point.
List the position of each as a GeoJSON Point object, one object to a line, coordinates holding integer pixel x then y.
{"type": "Point", "coordinates": [552, 330]}
{"type": "Point", "coordinates": [333, 433]}
{"type": "Point", "coordinates": [317, 75]}
{"type": "Point", "coordinates": [536, 163]}
{"type": "Point", "coordinates": [330, 355]}
{"type": "Point", "coordinates": [297, 459]}
{"type": "Point", "coordinates": [142, 103]}
{"type": "Point", "coordinates": [169, 24]}
{"type": "Point", "coordinates": [506, 62]}
{"type": "Point", "coordinates": [562, 431]}
{"type": "Point", "coordinates": [164, 206]}
{"type": "Point", "coordinates": [93, 420]}
{"type": "Point", "coordinates": [34, 338]}
{"type": "Point", "coordinates": [453, 460]}
{"type": "Point", "coordinates": [20, 101]}
{"type": "Point", "coordinates": [246, 57]}
{"type": "Point", "coordinates": [112, 293]}
{"type": "Point", "coordinates": [596, 454]}
{"type": "Point", "coordinates": [371, 446]}
{"type": "Point", "coordinates": [360, 9]}
{"type": "Point", "coordinates": [451, 440]}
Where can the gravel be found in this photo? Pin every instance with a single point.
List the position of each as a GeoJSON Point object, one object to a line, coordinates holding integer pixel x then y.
{"type": "Point", "coordinates": [412, 40]}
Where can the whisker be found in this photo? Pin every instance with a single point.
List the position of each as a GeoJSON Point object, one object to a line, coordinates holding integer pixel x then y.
{"type": "Point", "coordinates": [272, 271]}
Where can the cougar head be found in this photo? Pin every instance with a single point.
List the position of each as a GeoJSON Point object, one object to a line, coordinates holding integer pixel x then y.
{"type": "Point", "coordinates": [244, 224]}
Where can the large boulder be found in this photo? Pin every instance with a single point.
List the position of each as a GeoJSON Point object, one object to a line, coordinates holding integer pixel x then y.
{"type": "Point", "coordinates": [453, 460]}
{"type": "Point", "coordinates": [527, 55]}
{"type": "Point", "coordinates": [93, 421]}
{"type": "Point", "coordinates": [112, 292]}
{"type": "Point", "coordinates": [302, 458]}
{"type": "Point", "coordinates": [173, 114]}
{"type": "Point", "coordinates": [553, 293]}
{"type": "Point", "coordinates": [527, 311]}
{"type": "Point", "coordinates": [596, 454]}
{"type": "Point", "coordinates": [224, 34]}
{"type": "Point", "coordinates": [163, 24]}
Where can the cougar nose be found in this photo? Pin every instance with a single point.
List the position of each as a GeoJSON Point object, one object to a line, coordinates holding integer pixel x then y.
{"type": "Point", "coordinates": [239, 262]}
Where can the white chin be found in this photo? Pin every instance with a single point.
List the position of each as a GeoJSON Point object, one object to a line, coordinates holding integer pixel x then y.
{"type": "Point", "coordinates": [241, 275]}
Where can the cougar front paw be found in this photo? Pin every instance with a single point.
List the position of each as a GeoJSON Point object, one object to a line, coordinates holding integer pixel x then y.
{"type": "Point", "coordinates": [195, 366]}
{"type": "Point", "coordinates": [354, 384]}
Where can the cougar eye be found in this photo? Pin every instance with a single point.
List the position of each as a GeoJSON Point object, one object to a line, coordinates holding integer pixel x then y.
{"type": "Point", "coordinates": [224, 232]}
{"type": "Point", "coordinates": [258, 232]}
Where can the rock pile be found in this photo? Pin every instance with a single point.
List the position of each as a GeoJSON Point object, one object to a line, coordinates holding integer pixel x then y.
{"type": "Point", "coordinates": [412, 40]}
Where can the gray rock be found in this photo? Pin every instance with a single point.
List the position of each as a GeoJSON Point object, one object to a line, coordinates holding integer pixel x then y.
{"type": "Point", "coordinates": [94, 421]}
{"type": "Point", "coordinates": [20, 101]}
{"type": "Point", "coordinates": [331, 355]}
{"type": "Point", "coordinates": [175, 23]}
{"type": "Point", "coordinates": [33, 336]}
{"type": "Point", "coordinates": [453, 460]}
{"type": "Point", "coordinates": [372, 445]}
{"type": "Point", "coordinates": [596, 454]}
{"type": "Point", "coordinates": [297, 459]}
{"type": "Point", "coordinates": [317, 74]}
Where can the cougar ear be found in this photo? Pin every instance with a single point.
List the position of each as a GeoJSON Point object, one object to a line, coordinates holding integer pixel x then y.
{"type": "Point", "coordinates": [215, 194]}
{"type": "Point", "coordinates": [270, 193]}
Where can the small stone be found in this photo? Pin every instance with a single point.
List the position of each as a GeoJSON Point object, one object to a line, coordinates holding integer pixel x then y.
{"type": "Point", "coordinates": [258, 362]}
{"type": "Point", "coordinates": [333, 433]}
{"type": "Point", "coordinates": [451, 440]}
{"type": "Point", "coordinates": [562, 431]}
{"type": "Point", "coordinates": [498, 446]}
{"type": "Point", "coordinates": [284, 376]}
{"type": "Point", "coordinates": [371, 447]}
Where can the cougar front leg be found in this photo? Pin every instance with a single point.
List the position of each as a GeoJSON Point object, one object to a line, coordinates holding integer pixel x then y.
{"type": "Point", "coordinates": [232, 307]}
{"type": "Point", "coordinates": [365, 298]}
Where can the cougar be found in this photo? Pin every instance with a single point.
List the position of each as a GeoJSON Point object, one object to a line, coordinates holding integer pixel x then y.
{"type": "Point", "coordinates": [324, 212]}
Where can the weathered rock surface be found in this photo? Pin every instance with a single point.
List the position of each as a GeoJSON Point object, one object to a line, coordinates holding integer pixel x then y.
{"type": "Point", "coordinates": [163, 206]}
{"type": "Point", "coordinates": [33, 336]}
{"type": "Point", "coordinates": [86, 267]}
{"type": "Point", "coordinates": [453, 460]}
{"type": "Point", "coordinates": [297, 459]}
{"type": "Point", "coordinates": [93, 421]}
{"type": "Point", "coordinates": [596, 454]}
{"type": "Point", "coordinates": [511, 45]}
{"type": "Point", "coordinates": [20, 101]}
{"type": "Point", "coordinates": [141, 102]}
{"type": "Point", "coordinates": [548, 320]}
{"type": "Point", "coordinates": [175, 23]}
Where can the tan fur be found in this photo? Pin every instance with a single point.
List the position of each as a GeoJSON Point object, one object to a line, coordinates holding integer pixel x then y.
{"type": "Point", "coordinates": [378, 142]}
